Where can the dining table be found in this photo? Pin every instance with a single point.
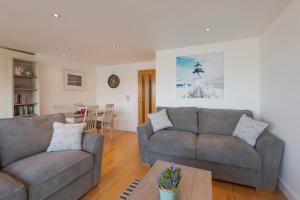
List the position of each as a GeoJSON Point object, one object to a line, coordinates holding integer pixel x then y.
{"type": "Point", "coordinates": [77, 117]}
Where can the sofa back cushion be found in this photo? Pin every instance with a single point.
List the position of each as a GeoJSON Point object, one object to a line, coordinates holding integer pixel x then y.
{"type": "Point", "coordinates": [182, 118]}
{"type": "Point", "coordinates": [219, 121]}
{"type": "Point", "coordinates": [23, 137]}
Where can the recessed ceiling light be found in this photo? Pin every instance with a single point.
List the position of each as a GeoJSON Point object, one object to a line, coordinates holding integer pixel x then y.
{"type": "Point", "coordinates": [114, 46]}
{"type": "Point", "coordinates": [56, 15]}
{"type": "Point", "coordinates": [207, 29]}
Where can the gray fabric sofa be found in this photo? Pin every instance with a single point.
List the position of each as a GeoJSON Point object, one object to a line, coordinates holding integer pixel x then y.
{"type": "Point", "coordinates": [203, 138]}
{"type": "Point", "coordinates": [29, 172]}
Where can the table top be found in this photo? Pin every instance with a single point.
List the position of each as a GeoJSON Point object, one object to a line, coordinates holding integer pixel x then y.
{"type": "Point", "coordinates": [196, 184]}
{"type": "Point", "coordinates": [78, 115]}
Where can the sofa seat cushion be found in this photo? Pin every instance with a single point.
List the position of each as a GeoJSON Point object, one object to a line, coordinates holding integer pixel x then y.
{"type": "Point", "coordinates": [174, 143]}
{"type": "Point", "coordinates": [45, 173]}
{"type": "Point", "coordinates": [227, 150]}
{"type": "Point", "coordinates": [11, 189]}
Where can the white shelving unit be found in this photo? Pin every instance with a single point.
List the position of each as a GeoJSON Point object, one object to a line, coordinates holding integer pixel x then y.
{"type": "Point", "coordinates": [26, 90]}
{"type": "Point", "coordinates": [19, 90]}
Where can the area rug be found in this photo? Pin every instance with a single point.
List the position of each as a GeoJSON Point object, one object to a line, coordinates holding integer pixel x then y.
{"type": "Point", "coordinates": [125, 195]}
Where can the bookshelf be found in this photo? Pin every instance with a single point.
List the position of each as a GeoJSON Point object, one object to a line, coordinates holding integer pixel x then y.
{"type": "Point", "coordinates": [25, 88]}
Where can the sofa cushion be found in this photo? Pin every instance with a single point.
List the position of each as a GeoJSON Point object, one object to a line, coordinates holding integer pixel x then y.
{"type": "Point", "coordinates": [249, 130]}
{"type": "Point", "coordinates": [219, 121]}
{"type": "Point", "coordinates": [66, 137]}
{"type": "Point", "coordinates": [160, 120]}
{"type": "Point", "coordinates": [45, 173]}
{"type": "Point", "coordinates": [183, 118]}
{"type": "Point", "coordinates": [23, 137]}
{"type": "Point", "coordinates": [227, 150]}
{"type": "Point", "coordinates": [11, 189]}
{"type": "Point", "coordinates": [174, 143]}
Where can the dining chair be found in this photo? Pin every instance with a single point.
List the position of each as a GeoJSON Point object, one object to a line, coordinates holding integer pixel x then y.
{"type": "Point", "coordinates": [78, 105]}
{"type": "Point", "coordinates": [64, 109]}
{"type": "Point", "coordinates": [107, 121]}
{"type": "Point", "coordinates": [90, 118]}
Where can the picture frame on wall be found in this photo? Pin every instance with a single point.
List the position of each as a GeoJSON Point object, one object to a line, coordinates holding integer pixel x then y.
{"type": "Point", "coordinates": [74, 80]}
{"type": "Point", "coordinates": [200, 76]}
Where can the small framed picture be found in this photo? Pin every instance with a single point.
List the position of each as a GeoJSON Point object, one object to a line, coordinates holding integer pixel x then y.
{"type": "Point", "coordinates": [74, 80]}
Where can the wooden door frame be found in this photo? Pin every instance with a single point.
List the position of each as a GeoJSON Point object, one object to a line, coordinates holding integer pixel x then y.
{"type": "Point", "coordinates": [148, 72]}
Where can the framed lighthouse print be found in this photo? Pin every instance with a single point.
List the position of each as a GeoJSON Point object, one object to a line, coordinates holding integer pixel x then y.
{"type": "Point", "coordinates": [200, 76]}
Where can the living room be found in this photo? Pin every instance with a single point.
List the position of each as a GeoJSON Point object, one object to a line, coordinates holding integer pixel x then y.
{"type": "Point", "coordinates": [208, 88]}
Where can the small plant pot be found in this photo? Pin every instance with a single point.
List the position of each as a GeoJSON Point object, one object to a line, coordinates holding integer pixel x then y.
{"type": "Point", "coordinates": [168, 194]}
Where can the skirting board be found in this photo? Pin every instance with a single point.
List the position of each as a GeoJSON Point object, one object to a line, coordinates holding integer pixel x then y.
{"type": "Point", "coordinates": [287, 191]}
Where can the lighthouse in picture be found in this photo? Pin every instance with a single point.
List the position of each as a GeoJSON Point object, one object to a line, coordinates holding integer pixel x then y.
{"type": "Point", "coordinates": [199, 84]}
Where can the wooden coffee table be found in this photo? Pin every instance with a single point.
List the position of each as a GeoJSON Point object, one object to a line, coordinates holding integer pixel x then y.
{"type": "Point", "coordinates": [196, 184]}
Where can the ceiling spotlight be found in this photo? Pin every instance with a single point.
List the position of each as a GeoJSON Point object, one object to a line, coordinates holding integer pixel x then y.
{"type": "Point", "coordinates": [207, 29]}
{"type": "Point", "coordinates": [56, 15]}
{"type": "Point", "coordinates": [114, 46]}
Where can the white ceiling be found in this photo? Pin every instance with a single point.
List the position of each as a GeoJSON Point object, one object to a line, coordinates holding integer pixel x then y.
{"type": "Point", "coordinates": [87, 29]}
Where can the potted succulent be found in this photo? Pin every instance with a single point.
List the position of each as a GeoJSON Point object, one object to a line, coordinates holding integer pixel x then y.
{"type": "Point", "coordinates": [168, 183]}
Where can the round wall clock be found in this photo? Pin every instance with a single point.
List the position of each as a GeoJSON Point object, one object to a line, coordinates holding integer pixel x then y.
{"type": "Point", "coordinates": [113, 81]}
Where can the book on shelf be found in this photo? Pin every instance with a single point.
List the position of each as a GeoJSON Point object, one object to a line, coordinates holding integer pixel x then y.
{"type": "Point", "coordinates": [24, 110]}
{"type": "Point", "coordinates": [20, 98]}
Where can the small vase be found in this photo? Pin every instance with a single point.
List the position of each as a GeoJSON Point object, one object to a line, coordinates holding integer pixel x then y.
{"type": "Point", "coordinates": [168, 194]}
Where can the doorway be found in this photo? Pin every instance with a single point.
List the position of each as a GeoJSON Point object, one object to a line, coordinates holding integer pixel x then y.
{"type": "Point", "coordinates": [146, 94]}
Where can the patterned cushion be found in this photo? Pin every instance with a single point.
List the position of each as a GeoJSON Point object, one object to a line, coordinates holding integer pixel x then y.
{"type": "Point", "coordinates": [66, 136]}
{"type": "Point", "coordinates": [160, 120]}
{"type": "Point", "coordinates": [249, 129]}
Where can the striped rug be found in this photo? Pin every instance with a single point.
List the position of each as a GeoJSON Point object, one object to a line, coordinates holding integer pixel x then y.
{"type": "Point", "coordinates": [125, 195]}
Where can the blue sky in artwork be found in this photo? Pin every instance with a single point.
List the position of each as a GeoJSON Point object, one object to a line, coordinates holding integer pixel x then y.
{"type": "Point", "coordinates": [185, 67]}
{"type": "Point", "coordinates": [212, 65]}
{"type": "Point", "coordinates": [184, 61]}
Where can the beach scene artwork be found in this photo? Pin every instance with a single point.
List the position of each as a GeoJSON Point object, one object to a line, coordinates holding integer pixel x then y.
{"type": "Point", "coordinates": [200, 76]}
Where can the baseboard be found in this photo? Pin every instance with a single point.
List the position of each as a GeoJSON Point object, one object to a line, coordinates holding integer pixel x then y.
{"type": "Point", "coordinates": [287, 191]}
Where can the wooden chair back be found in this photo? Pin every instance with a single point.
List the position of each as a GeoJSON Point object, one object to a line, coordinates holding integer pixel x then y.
{"type": "Point", "coordinates": [90, 118]}
{"type": "Point", "coordinates": [108, 116]}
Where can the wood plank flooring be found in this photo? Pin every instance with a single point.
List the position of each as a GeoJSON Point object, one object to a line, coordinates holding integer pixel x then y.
{"type": "Point", "coordinates": [121, 164]}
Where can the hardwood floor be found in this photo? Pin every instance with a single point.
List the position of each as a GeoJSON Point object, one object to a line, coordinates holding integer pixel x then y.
{"type": "Point", "coordinates": [121, 164]}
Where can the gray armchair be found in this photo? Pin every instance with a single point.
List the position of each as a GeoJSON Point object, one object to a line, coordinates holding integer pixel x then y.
{"type": "Point", "coordinates": [29, 172]}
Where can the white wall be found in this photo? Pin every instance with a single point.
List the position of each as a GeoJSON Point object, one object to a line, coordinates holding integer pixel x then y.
{"type": "Point", "coordinates": [52, 83]}
{"type": "Point", "coordinates": [126, 110]}
{"type": "Point", "coordinates": [280, 92]}
{"type": "Point", "coordinates": [241, 71]}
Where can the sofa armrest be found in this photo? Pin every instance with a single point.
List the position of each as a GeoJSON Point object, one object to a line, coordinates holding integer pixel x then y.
{"type": "Point", "coordinates": [270, 148]}
{"type": "Point", "coordinates": [145, 131]}
{"type": "Point", "coordinates": [93, 143]}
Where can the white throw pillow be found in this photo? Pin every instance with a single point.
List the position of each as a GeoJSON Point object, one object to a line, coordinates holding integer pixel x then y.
{"type": "Point", "coordinates": [160, 120]}
{"type": "Point", "coordinates": [249, 129]}
{"type": "Point", "coordinates": [66, 136]}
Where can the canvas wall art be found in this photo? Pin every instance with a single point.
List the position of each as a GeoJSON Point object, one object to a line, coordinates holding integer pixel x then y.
{"type": "Point", "coordinates": [74, 80]}
{"type": "Point", "coordinates": [200, 76]}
